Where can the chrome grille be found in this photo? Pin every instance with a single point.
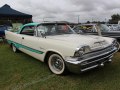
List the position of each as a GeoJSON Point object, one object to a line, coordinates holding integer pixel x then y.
{"type": "Point", "coordinates": [98, 52]}
{"type": "Point", "coordinates": [96, 58]}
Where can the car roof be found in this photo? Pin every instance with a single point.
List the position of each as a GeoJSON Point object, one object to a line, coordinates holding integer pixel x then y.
{"type": "Point", "coordinates": [54, 22]}
{"type": "Point", "coordinates": [44, 23]}
{"type": "Point", "coordinates": [31, 24]}
{"type": "Point", "coordinates": [88, 24]}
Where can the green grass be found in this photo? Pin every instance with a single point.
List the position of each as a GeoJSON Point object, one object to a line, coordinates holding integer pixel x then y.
{"type": "Point", "coordinates": [19, 71]}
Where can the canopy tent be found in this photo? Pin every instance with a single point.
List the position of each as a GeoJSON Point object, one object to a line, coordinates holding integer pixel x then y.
{"type": "Point", "coordinates": [9, 14]}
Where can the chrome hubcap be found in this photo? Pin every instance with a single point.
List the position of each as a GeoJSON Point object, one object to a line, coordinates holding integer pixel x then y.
{"type": "Point", "coordinates": [57, 63]}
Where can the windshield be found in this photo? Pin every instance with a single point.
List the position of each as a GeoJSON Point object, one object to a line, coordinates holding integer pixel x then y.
{"type": "Point", "coordinates": [54, 29]}
{"type": "Point", "coordinates": [104, 28]}
{"type": "Point", "coordinates": [85, 28]}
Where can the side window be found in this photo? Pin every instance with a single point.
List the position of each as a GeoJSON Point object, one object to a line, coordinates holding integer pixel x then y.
{"type": "Point", "coordinates": [46, 30]}
{"type": "Point", "coordinates": [41, 30]}
{"type": "Point", "coordinates": [28, 30]}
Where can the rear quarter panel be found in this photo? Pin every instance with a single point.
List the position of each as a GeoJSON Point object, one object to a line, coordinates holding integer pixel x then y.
{"type": "Point", "coordinates": [13, 36]}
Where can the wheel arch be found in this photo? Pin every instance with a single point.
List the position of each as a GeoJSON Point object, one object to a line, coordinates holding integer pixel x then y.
{"type": "Point", "coordinates": [48, 53]}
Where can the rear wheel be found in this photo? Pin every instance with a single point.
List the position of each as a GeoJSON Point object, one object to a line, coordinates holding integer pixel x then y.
{"type": "Point", "coordinates": [56, 64]}
{"type": "Point", "coordinates": [14, 48]}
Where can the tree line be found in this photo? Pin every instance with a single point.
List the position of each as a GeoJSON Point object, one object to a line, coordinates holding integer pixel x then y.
{"type": "Point", "coordinates": [113, 20]}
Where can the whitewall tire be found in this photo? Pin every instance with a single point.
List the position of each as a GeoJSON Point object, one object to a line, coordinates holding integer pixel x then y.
{"type": "Point", "coordinates": [56, 64]}
{"type": "Point", "coordinates": [14, 48]}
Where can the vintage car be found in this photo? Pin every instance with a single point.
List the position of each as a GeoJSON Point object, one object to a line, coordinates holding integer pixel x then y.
{"type": "Point", "coordinates": [113, 27]}
{"type": "Point", "coordinates": [61, 48]}
{"type": "Point", "coordinates": [100, 29]}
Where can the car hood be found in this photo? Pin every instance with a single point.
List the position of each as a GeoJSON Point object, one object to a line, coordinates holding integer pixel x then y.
{"type": "Point", "coordinates": [94, 42]}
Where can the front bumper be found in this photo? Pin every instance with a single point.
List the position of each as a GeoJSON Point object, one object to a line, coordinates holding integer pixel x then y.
{"type": "Point", "coordinates": [90, 60]}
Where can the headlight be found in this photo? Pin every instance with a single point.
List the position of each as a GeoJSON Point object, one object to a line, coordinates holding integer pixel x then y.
{"type": "Point", "coordinates": [81, 51]}
{"type": "Point", "coordinates": [115, 44]}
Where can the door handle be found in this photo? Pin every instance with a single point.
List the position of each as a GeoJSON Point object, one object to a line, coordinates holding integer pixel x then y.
{"type": "Point", "coordinates": [22, 37]}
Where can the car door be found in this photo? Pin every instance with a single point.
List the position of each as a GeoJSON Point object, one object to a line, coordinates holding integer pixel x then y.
{"type": "Point", "coordinates": [30, 43]}
{"type": "Point", "coordinates": [44, 32]}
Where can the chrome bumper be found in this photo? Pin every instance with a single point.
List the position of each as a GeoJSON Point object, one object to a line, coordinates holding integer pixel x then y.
{"type": "Point", "coordinates": [91, 60]}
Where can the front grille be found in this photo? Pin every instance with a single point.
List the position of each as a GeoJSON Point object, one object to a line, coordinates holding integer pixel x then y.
{"type": "Point", "coordinates": [96, 58]}
{"type": "Point", "coordinates": [96, 63]}
{"type": "Point", "coordinates": [98, 52]}
{"type": "Point", "coordinates": [102, 56]}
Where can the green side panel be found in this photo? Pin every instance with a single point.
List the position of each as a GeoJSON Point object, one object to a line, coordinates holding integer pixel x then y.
{"type": "Point", "coordinates": [30, 49]}
{"type": "Point", "coordinates": [17, 45]}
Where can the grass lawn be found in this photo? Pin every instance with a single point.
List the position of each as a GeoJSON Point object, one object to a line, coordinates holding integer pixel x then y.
{"type": "Point", "coordinates": [19, 71]}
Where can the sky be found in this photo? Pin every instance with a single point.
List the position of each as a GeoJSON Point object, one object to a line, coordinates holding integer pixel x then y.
{"type": "Point", "coordinates": [66, 10]}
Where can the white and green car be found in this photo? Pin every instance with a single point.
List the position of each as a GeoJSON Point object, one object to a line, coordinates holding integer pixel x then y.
{"type": "Point", "coordinates": [61, 48]}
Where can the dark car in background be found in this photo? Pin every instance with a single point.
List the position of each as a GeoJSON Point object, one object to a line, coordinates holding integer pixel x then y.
{"type": "Point", "coordinates": [2, 30]}
{"type": "Point", "coordinates": [114, 27]}
{"type": "Point", "coordinates": [97, 29]}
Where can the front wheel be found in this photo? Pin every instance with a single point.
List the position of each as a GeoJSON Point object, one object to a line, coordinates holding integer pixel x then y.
{"type": "Point", "coordinates": [56, 64]}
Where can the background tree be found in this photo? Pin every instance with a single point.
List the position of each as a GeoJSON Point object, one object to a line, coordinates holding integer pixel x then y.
{"type": "Point", "coordinates": [88, 22]}
{"type": "Point", "coordinates": [114, 19]}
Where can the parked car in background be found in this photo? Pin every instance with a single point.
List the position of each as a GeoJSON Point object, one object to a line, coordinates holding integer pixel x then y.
{"type": "Point", "coordinates": [61, 48]}
{"type": "Point", "coordinates": [101, 29]}
{"type": "Point", "coordinates": [2, 30]}
{"type": "Point", "coordinates": [113, 27]}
